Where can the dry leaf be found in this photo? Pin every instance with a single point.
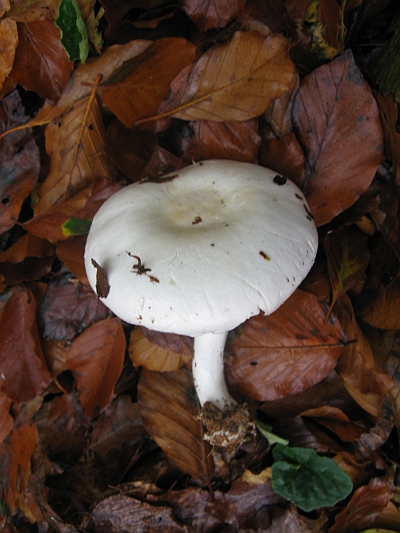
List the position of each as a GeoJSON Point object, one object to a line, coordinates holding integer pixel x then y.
{"type": "Point", "coordinates": [75, 144]}
{"type": "Point", "coordinates": [34, 10]}
{"type": "Point", "coordinates": [137, 88]}
{"type": "Point", "coordinates": [6, 420]}
{"type": "Point", "coordinates": [210, 14]}
{"type": "Point", "coordinates": [71, 253]}
{"type": "Point", "coordinates": [333, 110]}
{"type": "Point", "coordinates": [169, 410]}
{"type": "Point", "coordinates": [95, 358]}
{"type": "Point", "coordinates": [236, 80]}
{"type": "Point", "coordinates": [153, 356]}
{"type": "Point", "coordinates": [286, 352]}
{"type": "Point", "coordinates": [8, 45]}
{"type": "Point", "coordinates": [384, 310]}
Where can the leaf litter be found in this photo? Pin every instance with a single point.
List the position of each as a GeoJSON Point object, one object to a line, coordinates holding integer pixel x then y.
{"type": "Point", "coordinates": [99, 424]}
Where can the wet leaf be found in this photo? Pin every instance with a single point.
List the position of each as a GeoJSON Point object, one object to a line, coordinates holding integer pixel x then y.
{"type": "Point", "coordinates": [364, 507]}
{"type": "Point", "coordinates": [15, 465]}
{"type": "Point", "coordinates": [41, 65]}
{"type": "Point", "coordinates": [22, 367]}
{"type": "Point", "coordinates": [169, 410]}
{"type": "Point", "coordinates": [364, 377]}
{"type": "Point", "coordinates": [208, 14]}
{"type": "Point", "coordinates": [286, 352]}
{"type": "Point", "coordinates": [156, 357]}
{"type": "Point", "coordinates": [333, 109]}
{"type": "Point", "coordinates": [348, 257]}
{"type": "Point", "coordinates": [136, 90]}
{"type": "Point", "coordinates": [238, 141]}
{"type": "Point", "coordinates": [232, 81]}
{"type": "Point", "coordinates": [95, 359]}
{"type": "Point", "coordinates": [68, 309]}
{"type": "Point", "coordinates": [20, 161]}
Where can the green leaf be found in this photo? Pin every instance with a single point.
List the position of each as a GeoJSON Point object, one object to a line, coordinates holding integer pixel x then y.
{"type": "Point", "coordinates": [74, 37]}
{"type": "Point", "coordinates": [265, 430]}
{"type": "Point", "coordinates": [309, 481]}
{"type": "Point", "coordinates": [76, 226]}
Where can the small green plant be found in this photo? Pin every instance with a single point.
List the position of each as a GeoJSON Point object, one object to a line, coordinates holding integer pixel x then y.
{"type": "Point", "coordinates": [303, 477]}
{"type": "Point", "coordinates": [74, 37]}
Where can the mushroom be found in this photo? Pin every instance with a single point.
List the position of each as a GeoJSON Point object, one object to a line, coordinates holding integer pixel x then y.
{"type": "Point", "coordinates": [199, 252]}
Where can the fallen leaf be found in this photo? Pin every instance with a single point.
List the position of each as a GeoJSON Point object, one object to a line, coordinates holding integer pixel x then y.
{"type": "Point", "coordinates": [41, 64]}
{"type": "Point", "coordinates": [20, 161]}
{"type": "Point", "coordinates": [8, 45]}
{"type": "Point", "coordinates": [286, 352]}
{"type": "Point", "coordinates": [154, 357]}
{"type": "Point", "coordinates": [383, 310]}
{"type": "Point", "coordinates": [136, 90]}
{"type": "Point", "coordinates": [236, 80]}
{"type": "Point", "coordinates": [68, 309]}
{"type": "Point", "coordinates": [95, 359]}
{"type": "Point", "coordinates": [22, 369]}
{"type": "Point", "coordinates": [6, 420]}
{"type": "Point", "coordinates": [208, 14]}
{"type": "Point", "coordinates": [169, 410]}
{"type": "Point", "coordinates": [34, 10]}
{"type": "Point", "coordinates": [237, 141]}
{"type": "Point", "coordinates": [337, 422]}
{"type": "Point", "coordinates": [348, 257]}
{"type": "Point", "coordinates": [364, 507]}
{"type": "Point", "coordinates": [364, 377]}
{"type": "Point", "coordinates": [333, 109]}
{"type": "Point", "coordinates": [15, 465]}
{"type": "Point", "coordinates": [75, 144]}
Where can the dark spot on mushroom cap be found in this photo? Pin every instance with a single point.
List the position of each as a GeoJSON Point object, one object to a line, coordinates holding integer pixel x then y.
{"type": "Point", "coordinates": [310, 216]}
{"type": "Point", "coordinates": [280, 180]}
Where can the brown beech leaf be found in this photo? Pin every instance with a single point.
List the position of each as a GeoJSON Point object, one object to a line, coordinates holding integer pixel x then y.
{"type": "Point", "coordinates": [154, 357]}
{"type": "Point", "coordinates": [8, 45]}
{"type": "Point", "coordinates": [334, 112]}
{"type": "Point", "coordinates": [22, 367]}
{"type": "Point", "coordinates": [82, 206]}
{"type": "Point", "coordinates": [19, 161]}
{"type": "Point", "coordinates": [136, 90]}
{"type": "Point", "coordinates": [15, 465]}
{"type": "Point", "coordinates": [6, 420]}
{"type": "Point", "coordinates": [364, 507]}
{"type": "Point", "coordinates": [364, 377]}
{"type": "Point", "coordinates": [348, 257]}
{"type": "Point", "coordinates": [236, 80]}
{"type": "Point", "coordinates": [338, 422]}
{"type": "Point", "coordinates": [384, 310]}
{"type": "Point", "coordinates": [208, 14]}
{"type": "Point", "coordinates": [286, 352]}
{"type": "Point", "coordinates": [71, 253]}
{"type": "Point", "coordinates": [41, 63]}
{"type": "Point", "coordinates": [34, 10]}
{"type": "Point", "coordinates": [95, 358]}
{"type": "Point", "coordinates": [237, 141]}
{"type": "Point", "coordinates": [169, 410]}
{"type": "Point", "coordinates": [75, 144]}
{"type": "Point", "coordinates": [68, 309]}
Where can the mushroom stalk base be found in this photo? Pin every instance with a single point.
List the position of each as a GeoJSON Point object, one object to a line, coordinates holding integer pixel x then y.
{"type": "Point", "coordinates": [226, 423]}
{"type": "Point", "coordinates": [208, 370]}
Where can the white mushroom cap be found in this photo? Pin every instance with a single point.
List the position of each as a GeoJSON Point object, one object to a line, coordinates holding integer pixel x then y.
{"type": "Point", "coordinates": [223, 241]}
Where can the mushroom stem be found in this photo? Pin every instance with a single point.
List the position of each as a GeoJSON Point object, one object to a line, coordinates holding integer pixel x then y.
{"type": "Point", "coordinates": [208, 370]}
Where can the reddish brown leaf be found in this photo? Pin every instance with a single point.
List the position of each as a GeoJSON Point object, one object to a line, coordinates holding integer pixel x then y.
{"type": "Point", "coordinates": [6, 420]}
{"type": "Point", "coordinates": [348, 257]}
{"type": "Point", "coordinates": [8, 45]}
{"type": "Point", "coordinates": [209, 14]}
{"type": "Point", "coordinates": [237, 141]}
{"type": "Point", "coordinates": [363, 375]}
{"type": "Point", "coordinates": [364, 507]}
{"type": "Point", "coordinates": [333, 110]}
{"type": "Point", "coordinates": [15, 465]}
{"type": "Point", "coordinates": [41, 63]}
{"type": "Point", "coordinates": [236, 80]}
{"type": "Point", "coordinates": [96, 358]}
{"type": "Point", "coordinates": [20, 161]}
{"type": "Point", "coordinates": [136, 90]}
{"type": "Point", "coordinates": [169, 410]}
{"type": "Point", "coordinates": [383, 311]}
{"type": "Point", "coordinates": [70, 252]}
{"type": "Point", "coordinates": [336, 421]}
{"type": "Point", "coordinates": [68, 309]}
{"type": "Point", "coordinates": [286, 352]}
{"type": "Point", "coordinates": [22, 370]}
